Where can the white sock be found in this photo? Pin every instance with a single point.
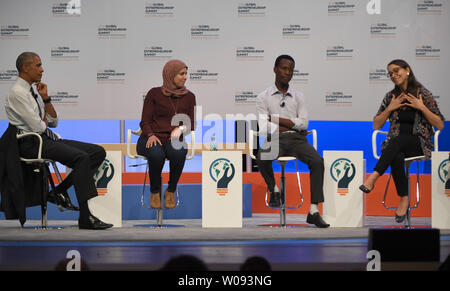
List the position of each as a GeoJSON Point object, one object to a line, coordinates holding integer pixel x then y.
{"type": "Point", "coordinates": [276, 189]}
{"type": "Point", "coordinates": [314, 208]}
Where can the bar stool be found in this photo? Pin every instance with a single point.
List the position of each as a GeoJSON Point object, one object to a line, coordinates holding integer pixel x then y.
{"type": "Point", "coordinates": [283, 161]}
{"type": "Point", "coordinates": [159, 212]}
{"type": "Point", "coordinates": [43, 165]}
{"type": "Point", "coordinates": [408, 162]}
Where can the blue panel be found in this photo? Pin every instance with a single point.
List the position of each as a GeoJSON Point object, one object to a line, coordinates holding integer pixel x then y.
{"type": "Point", "coordinates": [190, 205]}
{"type": "Point", "coordinates": [3, 125]}
{"type": "Point", "coordinates": [92, 131]}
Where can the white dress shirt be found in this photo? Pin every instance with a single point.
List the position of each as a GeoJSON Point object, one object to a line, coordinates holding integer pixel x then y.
{"type": "Point", "coordinates": [290, 106]}
{"type": "Point", "coordinates": [23, 111]}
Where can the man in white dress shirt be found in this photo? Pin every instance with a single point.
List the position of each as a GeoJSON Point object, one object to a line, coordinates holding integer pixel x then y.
{"type": "Point", "coordinates": [30, 112]}
{"type": "Point", "coordinates": [285, 112]}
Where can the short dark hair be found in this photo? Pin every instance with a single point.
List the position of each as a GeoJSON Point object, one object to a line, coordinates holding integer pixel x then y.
{"type": "Point", "coordinates": [285, 57]}
{"type": "Point", "coordinates": [24, 59]}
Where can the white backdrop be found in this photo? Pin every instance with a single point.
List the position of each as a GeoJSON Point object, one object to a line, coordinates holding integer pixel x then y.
{"type": "Point", "coordinates": [101, 59]}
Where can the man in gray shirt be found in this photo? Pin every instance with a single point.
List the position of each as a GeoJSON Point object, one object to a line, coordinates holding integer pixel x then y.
{"type": "Point", "coordinates": [285, 110]}
{"type": "Point", "coordinates": [30, 112]}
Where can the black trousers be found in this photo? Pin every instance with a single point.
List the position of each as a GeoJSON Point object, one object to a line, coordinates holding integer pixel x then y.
{"type": "Point", "coordinates": [296, 145]}
{"type": "Point", "coordinates": [156, 157]}
{"type": "Point", "coordinates": [400, 147]}
{"type": "Point", "coordinates": [83, 158]}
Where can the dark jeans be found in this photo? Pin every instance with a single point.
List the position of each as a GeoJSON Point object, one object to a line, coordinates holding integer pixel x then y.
{"type": "Point", "coordinates": [296, 145]}
{"type": "Point", "coordinates": [83, 158]}
{"type": "Point", "coordinates": [156, 156]}
{"type": "Point", "coordinates": [400, 147]}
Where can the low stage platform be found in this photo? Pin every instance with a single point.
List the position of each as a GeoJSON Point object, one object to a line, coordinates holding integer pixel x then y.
{"type": "Point", "coordinates": [138, 246]}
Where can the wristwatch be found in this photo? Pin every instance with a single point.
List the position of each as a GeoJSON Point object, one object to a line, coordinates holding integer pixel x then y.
{"type": "Point", "coordinates": [48, 100]}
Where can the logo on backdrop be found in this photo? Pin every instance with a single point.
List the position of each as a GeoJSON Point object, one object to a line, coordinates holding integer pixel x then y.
{"type": "Point", "coordinates": [64, 53]}
{"type": "Point", "coordinates": [219, 171]}
{"type": "Point", "coordinates": [67, 9]}
{"type": "Point", "coordinates": [296, 31]}
{"type": "Point", "coordinates": [338, 98]}
{"type": "Point", "coordinates": [427, 52]}
{"type": "Point", "coordinates": [64, 97]}
{"type": "Point", "coordinates": [300, 77]}
{"type": "Point", "coordinates": [245, 97]}
{"type": "Point", "coordinates": [204, 31]}
{"type": "Point", "coordinates": [378, 76]}
{"type": "Point", "coordinates": [251, 9]}
{"type": "Point", "coordinates": [429, 7]}
{"type": "Point", "coordinates": [8, 76]}
{"type": "Point", "coordinates": [339, 52]}
{"type": "Point", "coordinates": [157, 53]}
{"type": "Point", "coordinates": [443, 172]}
{"type": "Point", "coordinates": [110, 76]}
{"type": "Point", "coordinates": [383, 30]}
{"type": "Point", "coordinates": [249, 53]}
{"type": "Point", "coordinates": [341, 8]}
{"type": "Point", "coordinates": [342, 171]}
{"type": "Point", "coordinates": [103, 176]}
{"type": "Point", "coordinates": [111, 31]}
{"type": "Point", "coordinates": [203, 76]}
{"type": "Point", "coordinates": [158, 10]}
{"type": "Point", "coordinates": [14, 32]}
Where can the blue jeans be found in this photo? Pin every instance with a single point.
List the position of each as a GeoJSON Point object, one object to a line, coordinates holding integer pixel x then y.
{"type": "Point", "coordinates": [156, 156]}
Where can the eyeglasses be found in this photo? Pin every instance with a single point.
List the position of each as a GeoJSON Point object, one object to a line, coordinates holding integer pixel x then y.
{"type": "Point", "coordinates": [394, 71]}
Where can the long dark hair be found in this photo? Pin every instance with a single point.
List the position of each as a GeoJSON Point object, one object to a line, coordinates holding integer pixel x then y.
{"type": "Point", "coordinates": [413, 84]}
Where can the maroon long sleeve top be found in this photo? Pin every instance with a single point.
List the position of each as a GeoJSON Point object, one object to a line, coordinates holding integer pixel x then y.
{"type": "Point", "coordinates": [159, 110]}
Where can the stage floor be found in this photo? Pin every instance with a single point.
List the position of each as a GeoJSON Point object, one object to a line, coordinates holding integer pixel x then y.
{"type": "Point", "coordinates": [138, 246]}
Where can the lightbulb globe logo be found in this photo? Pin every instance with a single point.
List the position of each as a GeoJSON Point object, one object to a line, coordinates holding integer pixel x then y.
{"type": "Point", "coordinates": [103, 176]}
{"type": "Point", "coordinates": [219, 171]}
{"type": "Point", "coordinates": [443, 171]}
{"type": "Point", "coordinates": [342, 171]}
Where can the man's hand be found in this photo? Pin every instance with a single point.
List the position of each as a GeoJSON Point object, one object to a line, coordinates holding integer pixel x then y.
{"type": "Point", "coordinates": [42, 89]}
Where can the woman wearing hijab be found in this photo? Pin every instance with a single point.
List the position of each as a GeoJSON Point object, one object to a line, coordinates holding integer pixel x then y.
{"type": "Point", "coordinates": [162, 133]}
{"type": "Point", "coordinates": [412, 113]}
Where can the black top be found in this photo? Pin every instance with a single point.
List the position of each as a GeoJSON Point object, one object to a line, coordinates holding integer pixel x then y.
{"type": "Point", "coordinates": [406, 118]}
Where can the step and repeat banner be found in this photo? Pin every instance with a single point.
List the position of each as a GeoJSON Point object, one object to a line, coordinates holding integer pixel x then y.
{"type": "Point", "coordinates": [102, 56]}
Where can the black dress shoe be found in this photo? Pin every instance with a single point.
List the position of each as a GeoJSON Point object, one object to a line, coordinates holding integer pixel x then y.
{"type": "Point", "coordinates": [92, 222]}
{"type": "Point", "coordinates": [317, 220]}
{"type": "Point", "coordinates": [62, 200]}
{"type": "Point", "coordinates": [275, 199]}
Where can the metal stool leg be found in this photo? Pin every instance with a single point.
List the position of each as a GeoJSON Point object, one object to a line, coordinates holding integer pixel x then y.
{"type": "Point", "coordinates": [43, 197]}
{"type": "Point", "coordinates": [159, 212]}
{"type": "Point", "coordinates": [408, 211]}
{"type": "Point", "coordinates": [283, 195]}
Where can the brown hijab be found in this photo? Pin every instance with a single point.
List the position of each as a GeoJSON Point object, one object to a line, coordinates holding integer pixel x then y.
{"type": "Point", "coordinates": [170, 70]}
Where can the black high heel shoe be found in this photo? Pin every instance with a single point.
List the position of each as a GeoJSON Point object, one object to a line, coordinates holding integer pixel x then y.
{"type": "Point", "coordinates": [365, 189]}
{"type": "Point", "coordinates": [400, 219]}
